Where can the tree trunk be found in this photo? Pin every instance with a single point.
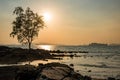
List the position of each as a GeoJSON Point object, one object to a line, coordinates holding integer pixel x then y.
{"type": "Point", "coordinates": [29, 51]}
{"type": "Point", "coordinates": [29, 43]}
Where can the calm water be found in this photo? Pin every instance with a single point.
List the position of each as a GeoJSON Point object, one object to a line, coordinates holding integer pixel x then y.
{"type": "Point", "coordinates": [100, 62]}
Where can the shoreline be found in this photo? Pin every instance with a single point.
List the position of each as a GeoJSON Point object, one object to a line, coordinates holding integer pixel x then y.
{"type": "Point", "coordinates": [11, 72]}
{"type": "Point", "coordinates": [16, 55]}
{"type": "Point", "coordinates": [41, 72]}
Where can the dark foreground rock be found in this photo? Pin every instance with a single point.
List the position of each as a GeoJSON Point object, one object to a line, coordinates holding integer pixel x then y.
{"type": "Point", "coordinates": [50, 71]}
{"type": "Point", "coordinates": [57, 71]}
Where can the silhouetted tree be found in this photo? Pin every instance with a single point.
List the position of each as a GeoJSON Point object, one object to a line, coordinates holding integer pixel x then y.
{"type": "Point", "coordinates": [26, 25]}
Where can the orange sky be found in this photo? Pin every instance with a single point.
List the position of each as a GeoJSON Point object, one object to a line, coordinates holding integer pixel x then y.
{"type": "Point", "coordinates": [72, 22]}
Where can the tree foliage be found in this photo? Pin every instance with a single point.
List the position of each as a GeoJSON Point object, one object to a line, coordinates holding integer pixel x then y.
{"type": "Point", "coordinates": [26, 26]}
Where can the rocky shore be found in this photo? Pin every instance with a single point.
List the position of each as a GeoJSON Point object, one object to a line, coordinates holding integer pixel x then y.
{"type": "Point", "coordinates": [50, 71]}
{"type": "Point", "coordinates": [15, 55]}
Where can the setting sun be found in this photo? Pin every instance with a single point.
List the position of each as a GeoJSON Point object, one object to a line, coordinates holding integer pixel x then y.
{"type": "Point", "coordinates": [47, 16]}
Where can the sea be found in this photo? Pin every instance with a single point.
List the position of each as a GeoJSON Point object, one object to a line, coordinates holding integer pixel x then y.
{"type": "Point", "coordinates": [99, 62]}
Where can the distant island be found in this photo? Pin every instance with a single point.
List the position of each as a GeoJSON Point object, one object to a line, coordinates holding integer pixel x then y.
{"type": "Point", "coordinates": [98, 44]}
{"type": "Point", "coordinates": [102, 44]}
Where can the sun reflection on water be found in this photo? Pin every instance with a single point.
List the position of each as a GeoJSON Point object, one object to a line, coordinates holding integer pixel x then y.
{"type": "Point", "coordinates": [46, 47]}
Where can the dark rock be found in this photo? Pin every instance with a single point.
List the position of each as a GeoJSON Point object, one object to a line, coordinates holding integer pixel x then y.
{"type": "Point", "coordinates": [87, 78]}
{"type": "Point", "coordinates": [27, 73]}
{"type": "Point", "coordinates": [111, 78]}
{"type": "Point", "coordinates": [50, 71]}
{"type": "Point", "coordinates": [89, 71]}
{"type": "Point", "coordinates": [72, 65]}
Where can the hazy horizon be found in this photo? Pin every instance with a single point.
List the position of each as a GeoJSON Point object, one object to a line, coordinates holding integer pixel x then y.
{"type": "Point", "coordinates": [47, 44]}
{"type": "Point", "coordinates": [72, 22]}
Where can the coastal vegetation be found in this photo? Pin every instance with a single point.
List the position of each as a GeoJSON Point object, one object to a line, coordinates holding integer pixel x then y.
{"type": "Point", "coordinates": [26, 26]}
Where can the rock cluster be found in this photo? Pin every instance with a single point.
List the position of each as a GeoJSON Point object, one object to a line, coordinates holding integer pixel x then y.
{"type": "Point", "coordinates": [50, 71]}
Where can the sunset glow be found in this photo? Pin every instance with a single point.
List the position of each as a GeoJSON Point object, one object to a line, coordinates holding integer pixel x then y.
{"type": "Point", "coordinates": [69, 22]}
{"type": "Point", "coordinates": [47, 16]}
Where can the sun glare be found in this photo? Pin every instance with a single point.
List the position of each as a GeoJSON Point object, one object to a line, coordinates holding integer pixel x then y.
{"type": "Point", "coordinates": [47, 16]}
{"type": "Point", "coordinates": [46, 47]}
